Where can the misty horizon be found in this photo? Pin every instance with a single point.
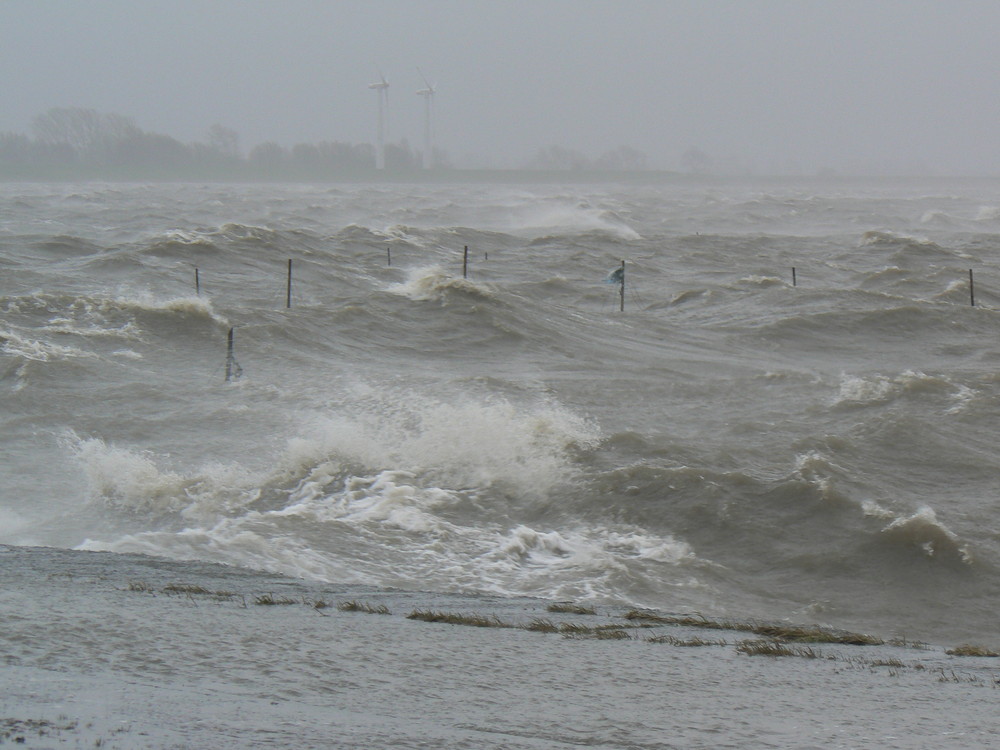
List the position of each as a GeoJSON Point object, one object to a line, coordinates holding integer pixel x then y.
{"type": "Point", "coordinates": [854, 88]}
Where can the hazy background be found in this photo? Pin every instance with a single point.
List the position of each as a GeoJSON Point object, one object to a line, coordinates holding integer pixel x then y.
{"type": "Point", "coordinates": [768, 86]}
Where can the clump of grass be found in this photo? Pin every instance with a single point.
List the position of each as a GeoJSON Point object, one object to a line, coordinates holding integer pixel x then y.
{"type": "Point", "coordinates": [269, 600]}
{"type": "Point", "coordinates": [906, 643]}
{"type": "Point", "coordinates": [790, 633]}
{"type": "Point", "coordinates": [572, 628]}
{"type": "Point", "coordinates": [688, 642]}
{"type": "Point", "coordinates": [774, 648]}
{"type": "Point", "coordinates": [184, 588]}
{"type": "Point", "coordinates": [571, 609]}
{"type": "Point", "coordinates": [969, 650]}
{"type": "Point", "coordinates": [356, 606]}
{"type": "Point", "coordinates": [600, 633]}
{"type": "Point", "coordinates": [476, 621]}
{"type": "Point", "coordinates": [141, 586]}
{"type": "Point", "coordinates": [191, 589]}
{"type": "Point", "coordinates": [691, 621]}
{"type": "Point", "coordinates": [815, 634]}
{"type": "Point", "coordinates": [644, 615]}
{"type": "Point", "coordinates": [542, 625]}
{"type": "Point", "coordinates": [896, 663]}
{"type": "Point", "coordinates": [972, 679]}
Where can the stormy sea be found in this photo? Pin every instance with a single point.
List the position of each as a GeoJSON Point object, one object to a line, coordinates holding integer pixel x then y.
{"type": "Point", "coordinates": [741, 401]}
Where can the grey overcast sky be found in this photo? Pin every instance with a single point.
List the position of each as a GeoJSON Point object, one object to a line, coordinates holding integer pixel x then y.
{"type": "Point", "coordinates": [770, 85]}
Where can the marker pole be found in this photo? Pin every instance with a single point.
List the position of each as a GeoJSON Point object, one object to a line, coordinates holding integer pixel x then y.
{"type": "Point", "coordinates": [621, 291]}
{"type": "Point", "coordinates": [229, 356]}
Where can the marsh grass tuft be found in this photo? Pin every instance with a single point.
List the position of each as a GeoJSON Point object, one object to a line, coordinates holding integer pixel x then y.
{"type": "Point", "coordinates": [356, 606]}
{"type": "Point", "coordinates": [185, 588]}
{"type": "Point", "coordinates": [572, 628]}
{"type": "Point", "coordinates": [788, 633]}
{"type": "Point", "coordinates": [774, 648]}
{"type": "Point", "coordinates": [895, 663]}
{"type": "Point", "coordinates": [906, 643]}
{"type": "Point", "coordinates": [815, 634]}
{"type": "Point", "coordinates": [969, 650]}
{"type": "Point", "coordinates": [476, 621]}
{"type": "Point", "coordinates": [269, 600]}
{"type": "Point", "coordinates": [571, 609]}
{"type": "Point", "coordinates": [690, 642]}
{"type": "Point", "coordinates": [542, 625]}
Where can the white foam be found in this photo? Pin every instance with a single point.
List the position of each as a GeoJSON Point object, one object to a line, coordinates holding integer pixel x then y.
{"type": "Point", "coordinates": [431, 283]}
{"type": "Point", "coordinates": [131, 481]}
{"type": "Point", "coordinates": [988, 213]}
{"type": "Point", "coordinates": [147, 302]}
{"type": "Point", "coordinates": [924, 530]}
{"type": "Point", "coordinates": [570, 217]}
{"type": "Point", "coordinates": [874, 389]}
{"type": "Point", "coordinates": [858, 389]}
{"type": "Point", "coordinates": [13, 343]}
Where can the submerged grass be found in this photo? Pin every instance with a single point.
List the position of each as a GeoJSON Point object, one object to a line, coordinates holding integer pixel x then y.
{"type": "Point", "coordinates": [356, 606]}
{"type": "Point", "coordinates": [776, 639]}
{"type": "Point", "coordinates": [270, 600]}
{"type": "Point", "coordinates": [541, 625]}
{"type": "Point", "coordinates": [688, 642]}
{"type": "Point", "coordinates": [476, 621]}
{"type": "Point", "coordinates": [186, 588]}
{"type": "Point", "coordinates": [787, 633]}
{"type": "Point", "coordinates": [181, 589]}
{"type": "Point", "coordinates": [571, 609]}
{"type": "Point", "coordinates": [969, 650]}
{"type": "Point", "coordinates": [774, 648]}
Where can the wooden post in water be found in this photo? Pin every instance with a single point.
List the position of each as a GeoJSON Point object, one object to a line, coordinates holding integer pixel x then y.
{"type": "Point", "coordinates": [197, 282]}
{"type": "Point", "coordinates": [972, 290]}
{"type": "Point", "coordinates": [388, 255]}
{"type": "Point", "coordinates": [621, 292]}
{"type": "Point", "coordinates": [288, 293]}
{"type": "Point", "coordinates": [230, 359]}
{"type": "Point", "coordinates": [793, 277]}
{"type": "Point", "coordinates": [465, 263]}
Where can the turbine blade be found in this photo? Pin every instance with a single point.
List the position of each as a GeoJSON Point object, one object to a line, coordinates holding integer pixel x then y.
{"type": "Point", "coordinates": [426, 82]}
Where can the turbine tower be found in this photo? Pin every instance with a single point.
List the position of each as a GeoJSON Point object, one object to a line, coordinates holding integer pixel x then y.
{"type": "Point", "coordinates": [428, 93]}
{"type": "Point", "coordinates": [382, 87]}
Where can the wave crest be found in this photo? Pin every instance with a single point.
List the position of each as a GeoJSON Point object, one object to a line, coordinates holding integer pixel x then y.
{"type": "Point", "coordinates": [434, 283]}
{"type": "Point", "coordinates": [923, 530]}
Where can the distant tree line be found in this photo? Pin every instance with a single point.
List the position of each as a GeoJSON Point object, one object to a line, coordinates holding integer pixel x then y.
{"type": "Point", "coordinates": [74, 142]}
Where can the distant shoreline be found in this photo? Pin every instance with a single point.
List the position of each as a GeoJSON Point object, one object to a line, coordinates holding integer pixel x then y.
{"type": "Point", "coordinates": [446, 177]}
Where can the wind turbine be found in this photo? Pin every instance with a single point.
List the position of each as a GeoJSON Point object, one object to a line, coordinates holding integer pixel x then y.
{"type": "Point", "coordinates": [428, 93]}
{"type": "Point", "coordinates": [382, 87]}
